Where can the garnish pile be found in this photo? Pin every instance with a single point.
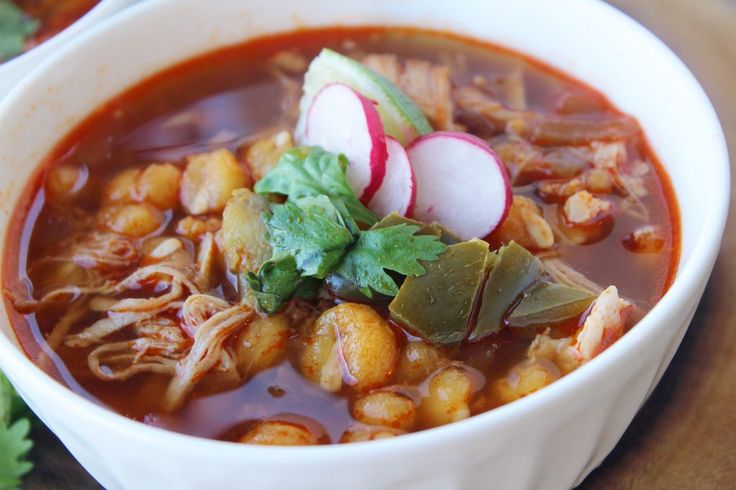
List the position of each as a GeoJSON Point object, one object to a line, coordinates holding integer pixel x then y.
{"type": "Point", "coordinates": [317, 232]}
{"type": "Point", "coordinates": [356, 214]}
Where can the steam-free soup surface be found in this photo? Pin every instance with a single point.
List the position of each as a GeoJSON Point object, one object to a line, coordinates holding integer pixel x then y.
{"type": "Point", "coordinates": [241, 96]}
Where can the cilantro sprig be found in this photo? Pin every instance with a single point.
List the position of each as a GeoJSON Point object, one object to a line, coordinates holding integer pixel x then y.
{"type": "Point", "coordinates": [15, 28]}
{"type": "Point", "coordinates": [312, 172]}
{"type": "Point", "coordinates": [315, 232]}
{"type": "Point", "coordinates": [312, 231]}
{"type": "Point", "coordinates": [14, 442]}
{"type": "Point", "coordinates": [277, 281]}
{"type": "Point", "coordinates": [396, 248]}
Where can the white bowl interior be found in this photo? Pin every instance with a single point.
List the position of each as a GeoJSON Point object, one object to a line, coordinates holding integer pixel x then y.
{"type": "Point", "coordinates": [624, 61]}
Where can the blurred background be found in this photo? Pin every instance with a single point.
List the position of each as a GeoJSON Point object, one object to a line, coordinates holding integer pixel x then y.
{"type": "Point", "coordinates": [685, 436]}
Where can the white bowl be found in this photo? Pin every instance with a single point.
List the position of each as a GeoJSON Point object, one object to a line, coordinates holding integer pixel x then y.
{"type": "Point", "coordinates": [552, 439]}
{"type": "Point", "coordinates": [12, 71]}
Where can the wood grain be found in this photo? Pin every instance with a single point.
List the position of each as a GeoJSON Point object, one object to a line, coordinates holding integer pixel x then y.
{"type": "Point", "coordinates": [685, 436]}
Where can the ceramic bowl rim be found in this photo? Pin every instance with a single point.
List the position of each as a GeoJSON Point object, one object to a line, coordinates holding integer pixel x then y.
{"type": "Point", "coordinates": [690, 276]}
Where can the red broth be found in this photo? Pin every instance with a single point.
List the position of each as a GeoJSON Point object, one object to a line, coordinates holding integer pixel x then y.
{"type": "Point", "coordinates": [230, 98]}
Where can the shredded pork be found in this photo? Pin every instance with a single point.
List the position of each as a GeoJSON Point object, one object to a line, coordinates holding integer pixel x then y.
{"type": "Point", "coordinates": [427, 84]}
{"type": "Point", "coordinates": [209, 348]}
{"type": "Point", "coordinates": [479, 110]}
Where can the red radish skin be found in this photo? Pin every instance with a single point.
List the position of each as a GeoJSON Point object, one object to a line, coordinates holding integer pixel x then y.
{"type": "Point", "coordinates": [461, 183]}
{"type": "Point", "coordinates": [341, 120]}
{"type": "Point", "coordinates": [398, 190]}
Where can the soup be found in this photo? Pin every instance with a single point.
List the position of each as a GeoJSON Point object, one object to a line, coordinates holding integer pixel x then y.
{"type": "Point", "coordinates": [460, 227]}
{"type": "Point", "coordinates": [25, 24]}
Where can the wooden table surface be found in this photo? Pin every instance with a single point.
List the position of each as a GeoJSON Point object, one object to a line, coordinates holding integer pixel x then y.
{"type": "Point", "coordinates": [685, 436]}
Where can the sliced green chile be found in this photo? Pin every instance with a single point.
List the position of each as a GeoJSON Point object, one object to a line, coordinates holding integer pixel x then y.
{"type": "Point", "coordinates": [396, 219]}
{"type": "Point", "coordinates": [548, 303]}
{"type": "Point", "coordinates": [446, 236]}
{"type": "Point", "coordinates": [438, 305]}
{"type": "Point", "coordinates": [435, 229]}
{"type": "Point", "coordinates": [516, 269]}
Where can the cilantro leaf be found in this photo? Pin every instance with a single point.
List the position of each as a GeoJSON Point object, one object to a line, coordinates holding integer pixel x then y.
{"type": "Point", "coordinates": [310, 172]}
{"type": "Point", "coordinates": [7, 393]}
{"type": "Point", "coordinates": [14, 442]}
{"type": "Point", "coordinates": [396, 248]}
{"type": "Point", "coordinates": [312, 231]}
{"type": "Point", "coordinates": [308, 237]}
{"type": "Point", "coordinates": [12, 406]}
{"type": "Point", "coordinates": [14, 29]}
{"type": "Point", "coordinates": [315, 233]}
{"type": "Point", "coordinates": [347, 218]}
{"type": "Point", "coordinates": [276, 281]}
{"type": "Point", "coordinates": [14, 447]}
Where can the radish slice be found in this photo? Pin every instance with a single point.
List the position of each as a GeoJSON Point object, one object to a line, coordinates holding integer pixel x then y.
{"type": "Point", "coordinates": [341, 120]}
{"type": "Point", "coordinates": [398, 190]}
{"type": "Point", "coordinates": [461, 183]}
{"type": "Point", "coordinates": [401, 117]}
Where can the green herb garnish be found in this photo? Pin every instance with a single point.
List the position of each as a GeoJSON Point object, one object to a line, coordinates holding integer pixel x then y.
{"type": "Point", "coordinates": [396, 248]}
{"type": "Point", "coordinates": [311, 172]}
{"type": "Point", "coordinates": [310, 230]}
{"type": "Point", "coordinates": [14, 442]}
{"type": "Point", "coordinates": [315, 233]}
{"type": "Point", "coordinates": [15, 29]}
{"type": "Point", "coordinates": [277, 281]}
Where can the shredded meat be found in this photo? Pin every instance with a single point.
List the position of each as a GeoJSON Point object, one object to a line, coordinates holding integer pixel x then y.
{"type": "Point", "coordinates": [387, 65]}
{"type": "Point", "coordinates": [99, 330]}
{"type": "Point", "coordinates": [86, 263]}
{"type": "Point", "coordinates": [488, 116]}
{"type": "Point", "coordinates": [197, 309]}
{"type": "Point", "coordinates": [427, 84]}
{"type": "Point", "coordinates": [119, 361]}
{"type": "Point", "coordinates": [604, 324]}
{"type": "Point", "coordinates": [529, 163]}
{"type": "Point", "coordinates": [73, 314]}
{"type": "Point", "coordinates": [480, 112]}
{"type": "Point", "coordinates": [282, 70]}
{"type": "Point", "coordinates": [127, 311]}
{"type": "Point", "coordinates": [515, 89]}
{"type": "Point", "coordinates": [209, 348]}
{"type": "Point", "coordinates": [68, 293]}
{"type": "Point", "coordinates": [290, 61]}
{"type": "Point", "coordinates": [160, 343]}
{"type": "Point", "coordinates": [105, 251]}
{"type": "Point", "coordinates": [564, 274]}
{"type": "Point", "coordinates": [526, 226]}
